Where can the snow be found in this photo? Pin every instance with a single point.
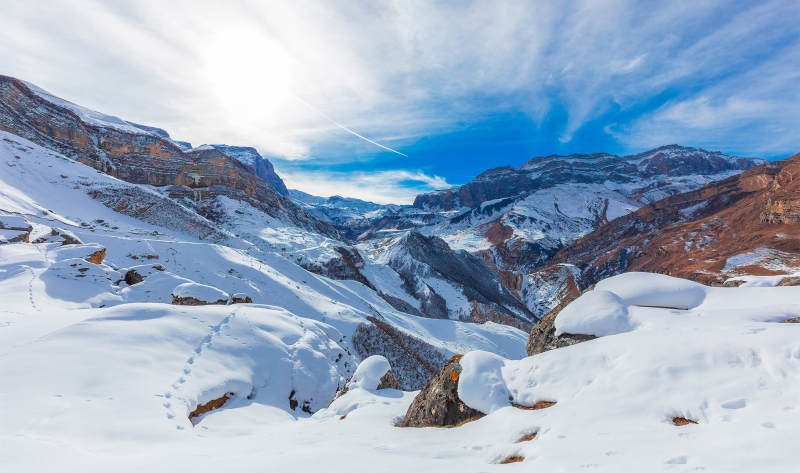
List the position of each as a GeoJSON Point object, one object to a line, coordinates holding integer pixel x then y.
{"type": "Point", "coordinates": [596, 312]}
{"type": "Point", "coordinates": [369, 373]}
{"type": "Point", "coordinates": [201, 292]}
{"type": "Point", "coordinates": [86, 115]}
{"type": "Point", "coordinates": [100, 376]}
{"type": "Point", "coordinates": [728, 365]}
{"type": "Point", "coordinates": [655, 290]}
{"type": "Point", "coordinates": [763, 281]}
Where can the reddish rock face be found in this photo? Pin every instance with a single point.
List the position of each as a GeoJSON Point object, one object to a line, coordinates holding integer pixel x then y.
{"type": "Point", "coordinates": [692, 235]}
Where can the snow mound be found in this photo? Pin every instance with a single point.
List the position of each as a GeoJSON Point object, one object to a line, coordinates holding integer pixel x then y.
{"type": "Point", "coordinates": [156, 287]}
{"type": "Point", "coordinates": [362, 390]}
{"type": "Point", "coordinates": [762, 281]}
{"type": "Point", "coordinates": [201, 292]}
{"type": "Point", "coordinates": [75, 251]}
{"type": "Point", "coordinates": [369, 373]}
{"type": "Point", "coordinates": [600, 313]}
{"type": "Point", "coordinates": [655, 290]}
{"type": "Point", "coordinates": [482, 385]}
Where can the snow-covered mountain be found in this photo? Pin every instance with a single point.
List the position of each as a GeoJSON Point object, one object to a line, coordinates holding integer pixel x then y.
{"type": "Point", "coordinates": [350, 216]}
{"type": "Point", "coordinates": [159, 298]}
{"type": "Point", "coordinates": [58, 212]}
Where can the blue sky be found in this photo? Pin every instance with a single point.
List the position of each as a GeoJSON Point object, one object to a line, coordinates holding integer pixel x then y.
{"type": "Point", "coordinates": [457, 87]}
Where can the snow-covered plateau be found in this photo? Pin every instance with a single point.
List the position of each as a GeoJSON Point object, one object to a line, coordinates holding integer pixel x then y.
{"type": "Point", "coordinates": [104, 366]}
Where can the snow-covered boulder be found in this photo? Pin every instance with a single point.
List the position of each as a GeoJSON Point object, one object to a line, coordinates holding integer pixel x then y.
{"type": "Point", "coordinates": [91, 252]}
{"type": "Point", "coordinates": [241, 298]}
{"type": "Point", "coordinates": [439, 403]}
{"type": "Point", "coordinates": [373, 373]}
{"type": "Point", "coordinates": [13, 229]}
{"type": "Point", "coordinates": [192, 293]}
{"type": "Point", "coordinates": [655, 290]}
{"type": "Point", "coordinates": [137, 274]}
{"type": "Point", "coordinates": [764, 281]}
{"type": "Point", "coordinates": [60, 236]}
{"type": "Point", "coordinates": [156, 287]}
{"type": "Point", "coordinates": [598, 312]}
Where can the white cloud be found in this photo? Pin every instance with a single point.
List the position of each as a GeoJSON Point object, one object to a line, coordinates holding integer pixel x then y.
{"type": "Point", "coordinates": [393, 72]}
{"type": "Point", "coordinates": [384, 187]}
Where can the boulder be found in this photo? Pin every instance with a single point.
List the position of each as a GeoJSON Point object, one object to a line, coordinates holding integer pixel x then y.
{"type": "Point", "coordinates": [790, 281]}
{"type": "Point", "coordinates": [137, 274]}
{"type": "Point", "coordinates": [733, 283]}
{"type": "Point", "coordinates": [133, 277]}
{"type": "Point", "coordinates": [241, 298]}
{"type": "Point", "coordinates": [198, 294]}
{"type": "Point", "coordinates": [59, 235]}
{"type": "Point", "coordinates": [97, 257]}
{"type": "Point", "coordinates": [14, 229]}
{"type": "Point", "coordinates": [543, 335]}
{"type": "Point", "coordinates": [438, 404]}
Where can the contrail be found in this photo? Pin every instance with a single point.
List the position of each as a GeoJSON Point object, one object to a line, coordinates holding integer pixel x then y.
{"type": "Point", "coordinates": [345, 128]}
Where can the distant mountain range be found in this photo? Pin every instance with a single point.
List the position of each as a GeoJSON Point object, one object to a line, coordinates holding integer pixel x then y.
{"type": "Point", "coordinates": [506, 247]}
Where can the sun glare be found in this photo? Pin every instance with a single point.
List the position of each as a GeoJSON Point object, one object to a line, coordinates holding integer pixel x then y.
{"type": "Point", "coordinates": [250, 75]}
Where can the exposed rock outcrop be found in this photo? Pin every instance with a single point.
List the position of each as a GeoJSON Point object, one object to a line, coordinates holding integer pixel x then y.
{"type": "Point", "coordinates": [14, 229]}
{"type": "Point", "coordinates": [438, 404]}
{"type": "Point", "coordinates": [64, 237]}
{"type": "Point", "coordinates": [241, 298]}
{"type": "Point", "coordinates": [543, 335]}
{"type": "Point", "coordinates": [198, 294]}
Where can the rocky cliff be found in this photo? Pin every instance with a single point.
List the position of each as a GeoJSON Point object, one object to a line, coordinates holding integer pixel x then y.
{"type": "Point", "coordinates": [136, 153]}
{"type": "Point", "coordinates": [746, 224]}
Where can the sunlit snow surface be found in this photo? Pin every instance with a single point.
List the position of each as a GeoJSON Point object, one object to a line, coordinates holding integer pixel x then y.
{"type": "Point", "coordinates": [85, 388]}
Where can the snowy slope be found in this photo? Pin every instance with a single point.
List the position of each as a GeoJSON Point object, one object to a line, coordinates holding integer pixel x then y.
{"type": "Point", "coordinates": [33, 186]}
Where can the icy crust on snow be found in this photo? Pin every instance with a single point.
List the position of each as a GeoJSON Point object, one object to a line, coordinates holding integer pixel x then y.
{"type": "Point", "coordinates": [597, 312]}
{"type": "Point", "coordinates": [201, 292]}
{"type": "Point", "coordinates": [655, 290]}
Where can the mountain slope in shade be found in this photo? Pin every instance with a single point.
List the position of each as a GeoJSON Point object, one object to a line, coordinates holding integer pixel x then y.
{"type": "Point", "coordinates": [746, 224]}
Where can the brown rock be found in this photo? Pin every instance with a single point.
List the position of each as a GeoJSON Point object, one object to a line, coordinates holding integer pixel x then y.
{"type": "Point", "coordinates": [241, 299]}
{"type": "Point", "coordinates": [733, 283]}
{"type": "Point", "coordinates": [192, 301]}
{"type": "Point", "coordinates": [679, 421]}
{"type": "Point", "coordinates": [132, 277]}
{"type": "Point", "coordinates": [790, 281]}
{"type": "Point", "coordinates": [210, 406]}
{"type": "Point", "coordinates": [388, 381]}
{"type": "Point", "coordinates": [795, 320]}
{"type": "Point", "coordinates": [438, 404]}
{"type": "Point", "coordinates": [97, 257]}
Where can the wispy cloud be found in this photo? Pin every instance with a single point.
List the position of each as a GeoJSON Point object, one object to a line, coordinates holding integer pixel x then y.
{"type": "Point", "coordinates": [398, 72]}
{"type": "Point", "coordinates": [384, 187]}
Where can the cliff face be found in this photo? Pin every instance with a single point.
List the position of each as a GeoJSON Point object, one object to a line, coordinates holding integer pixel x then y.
{"type": "Point", "coordinates": [544, 172]}
{"type": "Point", "coordinates": [260, 164]}
{"type": "Point", "coordinates": [748, 223]}
{"type": "Point", "coordinates": [137, 154]}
